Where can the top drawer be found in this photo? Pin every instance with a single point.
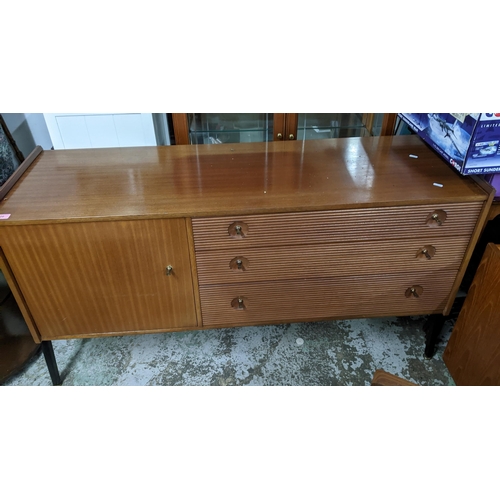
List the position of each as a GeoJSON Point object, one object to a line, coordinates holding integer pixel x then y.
{"type": "Point", "coordinates": [269, 230]}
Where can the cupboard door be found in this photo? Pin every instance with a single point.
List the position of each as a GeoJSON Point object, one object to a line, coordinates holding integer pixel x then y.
{"type": "Point", "coordinates": [338, 125]}
{"type": "Point", "coordinates": [84, 279]}
{"type": "Point", "coordinates": [219, 128]}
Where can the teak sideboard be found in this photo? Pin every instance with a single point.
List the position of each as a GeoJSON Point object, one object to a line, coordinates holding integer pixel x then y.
{"type": "Point", "coordinates": [155, 239]}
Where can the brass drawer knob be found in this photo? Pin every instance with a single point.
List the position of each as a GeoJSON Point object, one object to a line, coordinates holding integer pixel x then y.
{"type": "Point", "coordinates": [239, 264]}
{"type": "Point", "coordinates": [239, 303]}
{"type": "Point", "coordinates": [436, 218]}
{"type": "Point", "coordinates": [426, 252]}
{"type": "Point", "coordinates": [238, 230]}
{"type": "Point", "coordinates": [414, 291]}
{"type": "Point", "coordinates": [279, 136]}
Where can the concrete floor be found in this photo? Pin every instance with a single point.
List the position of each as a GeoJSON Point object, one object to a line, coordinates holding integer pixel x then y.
{"type": "Point", "coordinates": [333, 353]}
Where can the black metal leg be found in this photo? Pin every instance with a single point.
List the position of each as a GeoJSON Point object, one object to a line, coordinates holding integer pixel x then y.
{"type": "Point", "coordinates": [433, 328]}
{"type": "Point", "coordinates": [50, 359]}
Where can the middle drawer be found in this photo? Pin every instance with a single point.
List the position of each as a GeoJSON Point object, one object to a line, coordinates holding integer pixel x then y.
{"type": "Point", "coordinates": [330, 260]}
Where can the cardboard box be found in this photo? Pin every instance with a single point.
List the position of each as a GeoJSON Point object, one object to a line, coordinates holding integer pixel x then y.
{"type": "Point", "coordinates": [470, 142]}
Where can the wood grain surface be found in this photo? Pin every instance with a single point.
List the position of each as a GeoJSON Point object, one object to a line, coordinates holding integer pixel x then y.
{"type": "Point", "coordinates": [383, 378]}
{"type": "Point", "coordinates": [324, 298]}
{"type": "Point", "coordinates": [101, 277]}
{"type": "Point", "coordinates": [473, 351]}
{"type": "Point", "coordinates": [232, 179]}
{"type": "Point", "coordinates": [342, 259]}
{"type": "Point", "coordinates": [334, 226]}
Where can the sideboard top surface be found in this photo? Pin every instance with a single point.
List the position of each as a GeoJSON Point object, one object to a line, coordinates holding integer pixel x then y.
{"type": "Point", "coordinates": [233, 179]}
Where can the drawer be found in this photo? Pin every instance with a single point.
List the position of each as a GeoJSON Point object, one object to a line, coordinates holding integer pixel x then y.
{"type": "Point", "coordinates": [313, 299]}
{"type": "Point", "coordinates": [384, 223]}
{"type": "Point", "coordinates": [342, 259]}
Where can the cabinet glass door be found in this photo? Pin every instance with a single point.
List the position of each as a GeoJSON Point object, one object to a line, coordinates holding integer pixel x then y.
{"type": "Point", "coordinates": [337, 125]}
{"type": "Point", "coordinates": [218, 128]}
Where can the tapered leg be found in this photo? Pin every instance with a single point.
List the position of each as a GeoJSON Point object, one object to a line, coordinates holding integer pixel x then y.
{"type": "Point", "coordinates": [433, 328]}
{"type": "Point", "coordinates": [50, 359]}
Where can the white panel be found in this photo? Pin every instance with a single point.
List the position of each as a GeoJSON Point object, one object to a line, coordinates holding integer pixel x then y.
{"type": "Point", "coordinates": [73, 132]}
{"type": "Point", "coordinates": [148, 129]}
{"type": "Point", "coordinates": [101, 130]}
{"type": "Point", "coordinates": [130, 130]}
{"type": "Point", "coordinates": [52, 127]}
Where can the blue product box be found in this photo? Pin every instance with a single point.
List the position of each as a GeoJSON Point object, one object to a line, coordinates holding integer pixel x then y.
{"type": "Point", "coordinates": [470, 142]}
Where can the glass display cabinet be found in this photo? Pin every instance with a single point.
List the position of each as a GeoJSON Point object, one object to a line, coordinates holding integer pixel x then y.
{"type": "Point", "coordinates": [217, 128]}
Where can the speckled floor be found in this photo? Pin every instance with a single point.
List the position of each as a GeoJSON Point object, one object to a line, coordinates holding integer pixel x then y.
{"type": "Point", "coordinates": [333, 353]}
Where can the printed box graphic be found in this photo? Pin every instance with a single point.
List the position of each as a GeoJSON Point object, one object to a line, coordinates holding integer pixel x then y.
{"type": "Point", "coordinates": [468, 141]}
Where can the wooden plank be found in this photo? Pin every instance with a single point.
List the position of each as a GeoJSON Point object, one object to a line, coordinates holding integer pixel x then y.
{"type": "Point", "coordinates": [383, 378]}
{"type": "Point", "coordinates": [233, 179]}
{"type": "Point", "coordinates": [473, 351]}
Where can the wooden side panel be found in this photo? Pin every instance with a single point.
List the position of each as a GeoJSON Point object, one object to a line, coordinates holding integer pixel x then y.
{"type": "Point", "coordinates": [480, 222]}
{"type": "Point", "coordinates": [313, 299]}
{"type": "Point", "coordinates": [473, 351]}
{"type": "Point", "coordinates": [194, 270]}
{"type": "Point", "coordinates": [100, 277]}
{"type": "Point", "coordinates": [335, 226]}
{"type": "Point", "coordinates": [343, 259]}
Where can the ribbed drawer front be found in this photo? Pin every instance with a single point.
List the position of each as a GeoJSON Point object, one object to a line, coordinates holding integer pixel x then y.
{"type": "Point", "coordinates": [334, 226]}
{"type": "Point", "coordinates": [343, 259]}
{"type": "Point", "coordinates": [312, 299]}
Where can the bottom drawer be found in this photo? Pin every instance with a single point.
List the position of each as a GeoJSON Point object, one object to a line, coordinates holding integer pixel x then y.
{"type": "Point", "coordinates": [322, 298]}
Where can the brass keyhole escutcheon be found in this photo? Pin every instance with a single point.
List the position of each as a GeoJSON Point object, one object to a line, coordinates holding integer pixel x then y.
{"type": "Point", "coordinates": [414, 291]}
{"type": "Point", "coordinates": [436, 218]}
{"type": "Point", "coordinates": [239, 264]}
{"type": "Point", "coordinates": [426, 252]}
{"type": "Point", "coordinates": [169, 270]}
{"type": "Point", "coordinates": [238, 230]}
{"type": "Point", "coordinates": [239, 303]}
